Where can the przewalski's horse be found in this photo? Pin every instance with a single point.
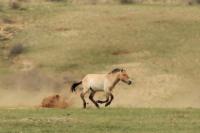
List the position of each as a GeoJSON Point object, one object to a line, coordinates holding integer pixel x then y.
{"type": "Point", "coordinates": [93, 83]}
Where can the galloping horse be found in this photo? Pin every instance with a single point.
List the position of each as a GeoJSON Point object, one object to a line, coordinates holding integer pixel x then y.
{"type": "Point", "coordinates": [93, 83]}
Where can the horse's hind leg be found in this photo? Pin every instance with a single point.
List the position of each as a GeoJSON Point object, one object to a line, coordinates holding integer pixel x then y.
{"type": "Point", "coordinates": [91, 98]}
{"type": "Point", "coordinates": [82, 97]}
{"type": "Point", "coordinates": [112, 97]}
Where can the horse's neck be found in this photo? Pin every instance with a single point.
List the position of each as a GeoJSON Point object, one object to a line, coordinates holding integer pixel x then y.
{"type": "Point", "coordinates": [114, 79]}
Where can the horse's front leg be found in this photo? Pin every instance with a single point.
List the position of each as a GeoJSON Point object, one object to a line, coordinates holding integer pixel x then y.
{"type": "Point", "coordinates": [111, 99]}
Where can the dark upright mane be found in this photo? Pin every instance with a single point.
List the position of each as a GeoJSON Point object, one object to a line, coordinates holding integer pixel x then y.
{"type": "Point", "coordinates": [115, 70]}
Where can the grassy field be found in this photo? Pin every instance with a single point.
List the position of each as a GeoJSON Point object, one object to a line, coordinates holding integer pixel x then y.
{"type": "Point", "coordinates": [60, 37]}
{"type": "Point", "coordinates": [112, 120]}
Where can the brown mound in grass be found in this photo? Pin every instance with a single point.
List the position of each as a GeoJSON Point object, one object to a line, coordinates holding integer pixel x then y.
{"type": "Point", "coordinates": [121, 52]}
{"type": "Point", "coordinates": [54, 101]}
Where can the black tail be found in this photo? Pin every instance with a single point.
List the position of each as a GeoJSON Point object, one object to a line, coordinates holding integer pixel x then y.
{"type": "Point", "coordinates": [74, 85]}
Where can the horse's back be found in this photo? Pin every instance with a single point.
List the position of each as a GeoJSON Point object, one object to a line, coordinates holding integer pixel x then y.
{"type": "Point", "coordinates": [94, 81]}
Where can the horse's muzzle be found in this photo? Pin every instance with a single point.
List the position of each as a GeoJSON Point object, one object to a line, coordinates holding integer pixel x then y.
{"type": "Point", "coordinates": [129, 82]}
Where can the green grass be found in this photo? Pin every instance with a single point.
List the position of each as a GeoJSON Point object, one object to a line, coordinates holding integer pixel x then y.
{"type": "Point", "coordinates": [112, 120]}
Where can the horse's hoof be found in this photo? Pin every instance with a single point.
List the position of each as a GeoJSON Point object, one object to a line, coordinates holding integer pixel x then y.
{"type": "Point", "coordinates": [97, 105]}
{"type": "Point", "coordinates": [99, 102]}
{"type": "Point", "coordinates": [107, 104]}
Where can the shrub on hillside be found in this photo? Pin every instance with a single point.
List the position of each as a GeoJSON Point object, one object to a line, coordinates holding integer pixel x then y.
{"type": "Point", "coordinates": [126, 1]}
{"type": "Point", "coordinates": [24, 0]}
{"type": "Point", "coordinates": [14, 4]}
{"type": "Point", "coordinates": [57, 0]}
{"type": "Point", "coordinates": [192, 2]}
{"type": "Point", "coordinates": [16, 50]}
{"type": "Point", "coordinates": [197, 1]}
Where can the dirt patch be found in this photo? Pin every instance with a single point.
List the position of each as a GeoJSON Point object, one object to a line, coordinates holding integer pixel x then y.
{"type": "Point", "coordinates": [121, 52]}
{"type": "Point", "coordinates": [8, 28]}
{"type": "Point", "coordinates": [62, 29]}
{"type": "Point", "coordinates": [55, 101]}
{"type": "Point", "coordinates": [8, 21]}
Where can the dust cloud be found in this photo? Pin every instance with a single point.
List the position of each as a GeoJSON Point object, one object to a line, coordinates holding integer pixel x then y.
{"type": "Point", "coordinates": [27, 89]}
{"type": "Point", "coordinates": [155, 89]}
{"type": "Point", "coordinates": [149, 89]}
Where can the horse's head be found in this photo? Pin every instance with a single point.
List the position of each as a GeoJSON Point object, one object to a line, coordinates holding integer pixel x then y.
{"type": "Point", "coordinates": [123, 76]}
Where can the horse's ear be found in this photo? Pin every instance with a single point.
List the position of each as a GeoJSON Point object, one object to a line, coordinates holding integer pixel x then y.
{"type": "Point", "coordinates": [57, 96]}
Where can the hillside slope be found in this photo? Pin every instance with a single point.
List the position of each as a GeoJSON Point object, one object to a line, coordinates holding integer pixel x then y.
{"type": "Point", "coordinates": [158, 44]}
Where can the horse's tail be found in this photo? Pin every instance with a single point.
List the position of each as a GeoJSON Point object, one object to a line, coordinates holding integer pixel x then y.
{"type": "Point", "coordinates": [74, 85]}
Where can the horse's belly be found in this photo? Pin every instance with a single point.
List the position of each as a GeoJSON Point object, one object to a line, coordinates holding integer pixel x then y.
{"type": "Point", "coordinates": [97, 86]}
{"type": "Point", "coordinates": [97, 89]}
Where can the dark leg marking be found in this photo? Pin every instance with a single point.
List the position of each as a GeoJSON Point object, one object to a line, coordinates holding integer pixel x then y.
{"type": "Point", "coordinates": [108, 103]}
{"type": "Point", "coordinates": [84, 102]}
{"type": "Point", "coordinates": [91, 98]}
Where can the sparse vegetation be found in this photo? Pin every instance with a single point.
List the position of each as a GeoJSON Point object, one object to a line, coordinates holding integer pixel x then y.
{"type": "Point", "coordinates": [129, 27]}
